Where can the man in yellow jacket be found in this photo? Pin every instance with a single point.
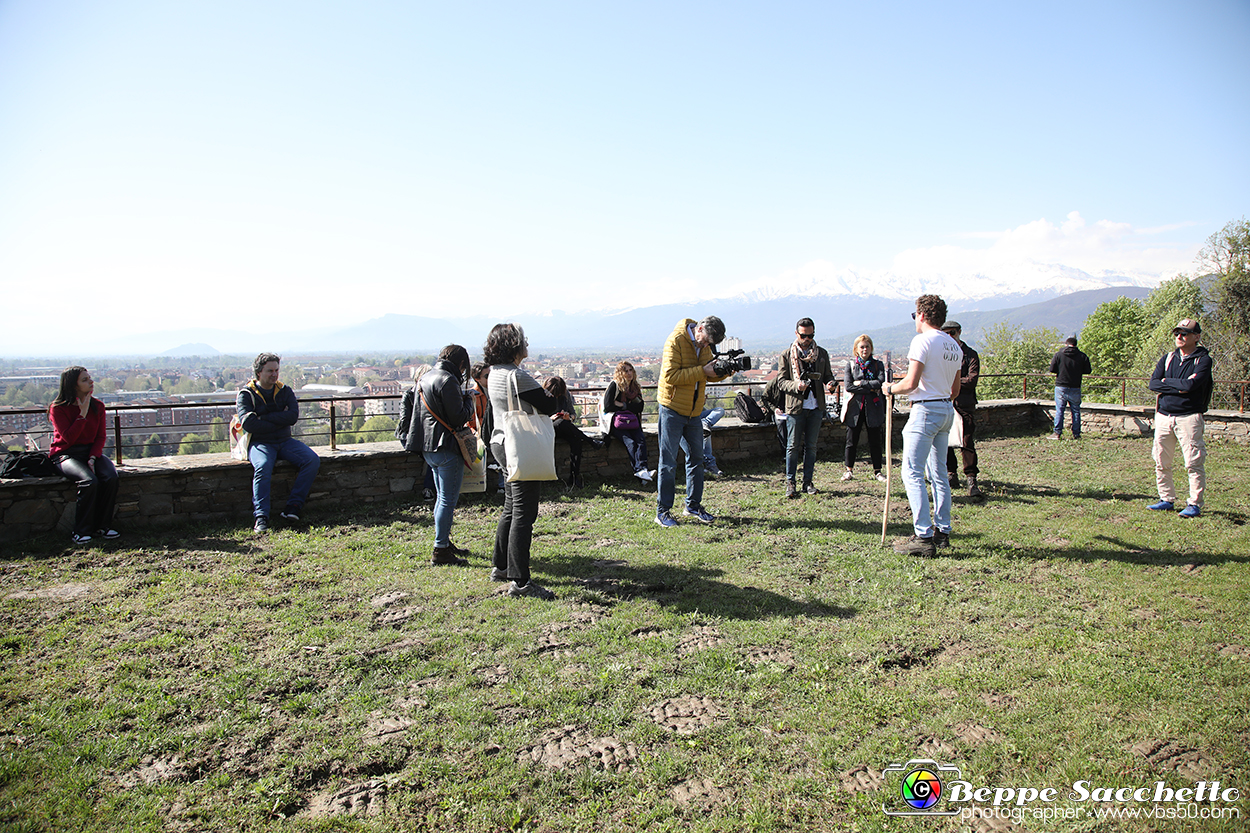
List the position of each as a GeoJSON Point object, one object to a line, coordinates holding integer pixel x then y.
{"type": "Point", "coordinates": [684, 373]}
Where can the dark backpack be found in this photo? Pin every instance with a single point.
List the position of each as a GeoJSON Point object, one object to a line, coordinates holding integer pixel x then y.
{"type": "Point", "coordinates": [27, 464]}
{"type": "Point", "coordinates": [748, 410]}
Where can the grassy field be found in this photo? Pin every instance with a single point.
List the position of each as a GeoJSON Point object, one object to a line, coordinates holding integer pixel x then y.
{"type": "Point", "coordinates": [759, 674]}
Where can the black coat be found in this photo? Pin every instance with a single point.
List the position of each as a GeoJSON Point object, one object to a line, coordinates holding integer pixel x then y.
{"type": "Point", "coordinates": [865, 392]}
{"type": "Point", "coordinates": [439, 391]}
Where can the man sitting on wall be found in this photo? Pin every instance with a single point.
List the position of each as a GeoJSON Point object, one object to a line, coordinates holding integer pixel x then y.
{"type": "Point", "coordinates": [267, 408]}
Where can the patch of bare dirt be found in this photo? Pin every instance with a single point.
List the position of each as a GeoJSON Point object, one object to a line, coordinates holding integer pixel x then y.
{"type": "Point", "coordinates": [685, 715]}
{"type": "Point", "coordinates": [383, 728]}
{"type": "Point", "coordinates": [396, 616]}
{"type": "Point", "coordinates": [861, 779]}
{"type": "Point", "coordinates": [701, 793]}
{"type": "Point", "coordinates": [997, 701]}
{"type": "Point", "coordinates": [647, 631]}
{"type": "Point", "coordinates": [153, 771]}
{"type": "Point", "coordinates": [387, 599]}
{"type": "Point", "coordinates": [57, 592]}
{"type": "Point", "coordinates": [363, 800]}
{"type": "Point", "coordinates": [1190, 569]}
{"type": "Point", "coordinates": [974, 734]}
{"type": "Point", "coordinates": [699, 639]}
{"type": "Point", "coordinates": [552, 646]}
{"type": "Point", "coordinates": [568, 747]}
{"type": "Point", "coordinates": [934, 748]}
{"type": "Point", "coordinates": [588, 614]}
{"type": "Point", "coordinates": [768, 656]}
{"type": "Point", "coordinates": [1168, 756]}
{"type": "Point", "coordinates": [897, 657]}
{"type": "Point", "coordinates": [498, 675]}
{"type": "Point", "coordinates": [992, 824]}
{"type": "Point", "coordinates": [395, 647]}
{"type": "Point", "coordinates": [1238, 651]}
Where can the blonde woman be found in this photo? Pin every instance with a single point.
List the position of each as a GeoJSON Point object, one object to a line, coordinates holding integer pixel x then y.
{"type": "Point", "coordinates": [623, 400]}
{"type": "Point", "coordinates": [862, 378]}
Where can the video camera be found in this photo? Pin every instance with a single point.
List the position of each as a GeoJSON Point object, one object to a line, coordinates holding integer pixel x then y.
{"type": "Point", "coordinates": [731, 361]}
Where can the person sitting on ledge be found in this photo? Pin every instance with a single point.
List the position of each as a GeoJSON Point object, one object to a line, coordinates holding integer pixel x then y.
{"type": "Point", "coordinates": [77, 451]}
{"type": "Point", "coordinates": [267, 409]}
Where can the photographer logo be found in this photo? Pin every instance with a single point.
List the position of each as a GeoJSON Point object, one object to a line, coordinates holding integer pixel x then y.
{"type": "Point", "coordinates": [919, 789]}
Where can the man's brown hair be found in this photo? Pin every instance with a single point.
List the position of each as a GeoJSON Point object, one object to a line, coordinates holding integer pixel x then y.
{"type": "Point", "coordinates": [933, 308]}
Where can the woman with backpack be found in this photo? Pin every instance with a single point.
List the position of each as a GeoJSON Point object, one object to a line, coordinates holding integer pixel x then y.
{"type": "Point", "coordinates": [623, 404]}
{"type": "Point", "coordinates": [77, 451]}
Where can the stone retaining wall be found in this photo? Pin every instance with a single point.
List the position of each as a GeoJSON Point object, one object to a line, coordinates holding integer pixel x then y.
{"type": "Point", "coordinates": [162, 492]}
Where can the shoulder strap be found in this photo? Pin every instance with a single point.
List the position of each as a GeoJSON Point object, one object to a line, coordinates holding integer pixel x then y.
{"type": "Point", "coordinates": [421, 393]}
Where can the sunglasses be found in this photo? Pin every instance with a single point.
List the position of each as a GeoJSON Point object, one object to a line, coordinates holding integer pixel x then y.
{"type": "Point", "coordinates": [806, 336]}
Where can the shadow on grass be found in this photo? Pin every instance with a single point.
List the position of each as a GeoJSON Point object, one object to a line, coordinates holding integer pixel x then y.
{"type": "Point", "coordinates": [686, 589]}
{"type": "Point", "coordinates": [1117, 550]}
{"type": "Point", "coordinates": [1004, 490]}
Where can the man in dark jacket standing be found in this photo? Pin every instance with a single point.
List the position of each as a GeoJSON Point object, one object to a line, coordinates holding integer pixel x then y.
{"type": "Point", "coordinates": [1182, 379]}
{"type": "Point", "coordinates": [806, 377]}
{"type": "Point", "coordinates": [965, 410]}
{"type": "Point", "coordinates": [1069, 366]}
{"type": "Point", "coordinates": [267, 408]}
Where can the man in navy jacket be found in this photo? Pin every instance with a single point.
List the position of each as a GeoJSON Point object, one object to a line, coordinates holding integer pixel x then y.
{"type": "Point", "coordinates": [1182, 379]}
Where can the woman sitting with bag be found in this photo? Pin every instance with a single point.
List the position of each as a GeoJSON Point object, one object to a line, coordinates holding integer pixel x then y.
{"type": "Point", "coordinates": [865, 405]}
{"type": "Point", "coordinates": [77, 451]}
{"type": "Point", "coordinates": [623, 400]}
{"type": "Point", "coordinates": [513, 393]}
{"type": "Point", "coordinates": [444, 409]}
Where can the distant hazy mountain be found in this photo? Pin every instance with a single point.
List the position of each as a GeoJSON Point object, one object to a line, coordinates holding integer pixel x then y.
{"type": "Point", "coordinates": [843, 304]}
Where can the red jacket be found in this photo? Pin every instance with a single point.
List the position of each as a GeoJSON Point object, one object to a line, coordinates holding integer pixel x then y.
{"type": "Point", "coordinates": [68, 428]}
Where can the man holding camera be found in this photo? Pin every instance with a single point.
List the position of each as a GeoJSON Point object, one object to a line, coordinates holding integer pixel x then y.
{"type": "Point", "coordinates": [805, 377]}
{"type": "Point", "coordinates": [687, 366]}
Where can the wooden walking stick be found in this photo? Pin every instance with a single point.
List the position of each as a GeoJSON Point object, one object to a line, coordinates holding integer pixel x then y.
{"type": "Point", "coordinates": [889, 454]}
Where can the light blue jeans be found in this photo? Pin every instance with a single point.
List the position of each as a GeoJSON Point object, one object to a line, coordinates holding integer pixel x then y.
{"type": "Point", "coordinates": [448, 468]}
{"type": "Point", "coordinates": [677, 431]}
{"type": "Point", "coordinates": [264, 456]}
{"type": "Point", "coordinates": [925, 440]}
{"type": "Point", "coordinates": [1070, 397]}
{"type": "Point", "coordinates": [803, 430]}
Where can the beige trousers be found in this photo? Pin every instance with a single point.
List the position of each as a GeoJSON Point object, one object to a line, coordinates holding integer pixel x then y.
{"type": "Point", "coordinates": [1185, 431]}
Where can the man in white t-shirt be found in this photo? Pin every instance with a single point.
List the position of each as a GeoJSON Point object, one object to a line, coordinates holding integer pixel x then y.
{"type": "Point", "coordinates": [932, 381]}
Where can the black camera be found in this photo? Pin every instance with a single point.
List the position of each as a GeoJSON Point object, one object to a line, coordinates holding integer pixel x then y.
{"type": "Point", "coordinates": [731, 361]}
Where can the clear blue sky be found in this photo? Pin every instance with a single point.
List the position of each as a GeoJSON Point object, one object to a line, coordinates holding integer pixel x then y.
{"type": "Point", "coordinates": [271, 165]}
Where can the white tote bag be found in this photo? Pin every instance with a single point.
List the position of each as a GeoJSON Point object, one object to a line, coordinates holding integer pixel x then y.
{"type": "Point", "coordinates": [529, 441]}
{"type": "Point", "coordinates": [957, 432]}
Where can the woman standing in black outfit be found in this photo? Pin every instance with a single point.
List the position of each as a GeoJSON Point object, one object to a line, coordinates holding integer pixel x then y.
{"type": "Point", "coordinates": [862, 379]}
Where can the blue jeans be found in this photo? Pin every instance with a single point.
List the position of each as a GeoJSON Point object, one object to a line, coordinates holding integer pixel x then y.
{"type": "Point", "coordinates": [925, 441]}
{"type": "Point", "coordinates": [803, 430]}
{"type": "Point", "coordinates": [677, 431]}
{"type": "Point", "coordinates": [448, 469]}
{"type": "Point", "coordinates": [264, 456]}
{"type": "Point", "coordinates": [710, 417]}
{"type": "Point", "coordinates": [1070, 397]}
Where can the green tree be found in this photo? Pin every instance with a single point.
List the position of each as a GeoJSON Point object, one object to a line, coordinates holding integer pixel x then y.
{"type": "Point", "coordinates": [1112, 336]}
{"type": "Point", "coordinates": [153, 447]}
{"type": "Point", "coordinates": [1226, 258]}
{"type": "Point", "coordinates": [217, 430]}
{"type": "Point", "coordinates": [1170, 302]}
{"type": "Point", "coordinates": [375, 429]}
{"type": "Point", "coordinates": [194, 444]}
{"type": "Point", "coordinates": [1009, 350]}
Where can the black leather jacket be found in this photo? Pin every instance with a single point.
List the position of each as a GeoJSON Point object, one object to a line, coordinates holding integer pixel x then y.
{"type": "Point", "coordinates": [440, 391]}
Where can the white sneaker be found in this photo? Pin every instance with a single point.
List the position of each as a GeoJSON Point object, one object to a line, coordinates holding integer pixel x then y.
{"type": "Point", "coordinates": [879, 476]}
{"type": "Point", "coordinates": [846, 475]}
{"type": "Point", "coordinates": [643, 475]}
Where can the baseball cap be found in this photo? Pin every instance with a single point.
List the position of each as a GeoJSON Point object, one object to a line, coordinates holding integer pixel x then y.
{"type": "Point", "coordinates": [951, 326]}
{"type": "Point", "coordinates": [1187, 325]}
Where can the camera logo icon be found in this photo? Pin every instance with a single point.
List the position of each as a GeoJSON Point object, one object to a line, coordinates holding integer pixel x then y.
{"type": "Point", "coordinates": [917, 788]}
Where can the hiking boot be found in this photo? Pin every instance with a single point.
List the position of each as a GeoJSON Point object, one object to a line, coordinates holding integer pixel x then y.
{"type": "Point", "coordinates": [810, 488]}
{"type": "Point", "coordinates": [974, 491]}
{"type": "Point", "coordinates": [791, 491]}
{"type": "Point", "coordinates": [1161, 506]}
{"type": "Point", "coordinates": [698, 513]}
{"type": "Point", "coordinates": [915, 545]}
{"type": "Point", "coordinates": [953, 479]}
{"type": "Point", "coordinates": [1190, 511]}
{"type": "Point", "coordinates": [531, 590]}
{"type": "Point", "coordinates": [447, 556]}
{"type": "Point", "coordinates": [1055, 436]}
{"type": "Point", "coordinates": [665, 519]}
{"type": "Point", "coordinates": [941, 540]}
{"type": "Point", "coordinates": [460, 551]}
{"type": "Point", "coordinates": [262, 525]}
{"type": "Point", "coordinates": [497, 574]}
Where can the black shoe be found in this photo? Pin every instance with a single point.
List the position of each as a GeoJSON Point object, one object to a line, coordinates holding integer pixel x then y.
{"type": "Point", "coordinates": [914, 545]}
{"type": "Point", "coordinates": [262, 524]}
{"type": "Point", "coordinates": [810, 488]}
{"type": "Point", "coordinates": [941, 540]}
{"type": "Point", "coordinates": [289, 515]}
{"type": "Point", "coordinates": [447, 556]}
{"type": "Point", "coordinates": [954, 480]}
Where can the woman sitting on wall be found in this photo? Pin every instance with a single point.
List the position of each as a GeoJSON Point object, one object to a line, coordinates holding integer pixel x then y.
{"type": "Point", "coordinates": [623, 400]}
{"type": "Point", "coordinates": [567, 430]}
{"type": "Point", "coordinates": [78, 432]}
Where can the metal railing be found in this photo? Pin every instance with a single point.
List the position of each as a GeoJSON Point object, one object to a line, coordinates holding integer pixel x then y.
{"type": "Point", "coordinates": [335, 429]}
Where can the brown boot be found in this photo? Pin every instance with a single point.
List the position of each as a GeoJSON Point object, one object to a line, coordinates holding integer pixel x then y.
{"type": "Point", "coordinates": [447, 555]}
{"type": "Point", "coordinates": [974, 491]}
